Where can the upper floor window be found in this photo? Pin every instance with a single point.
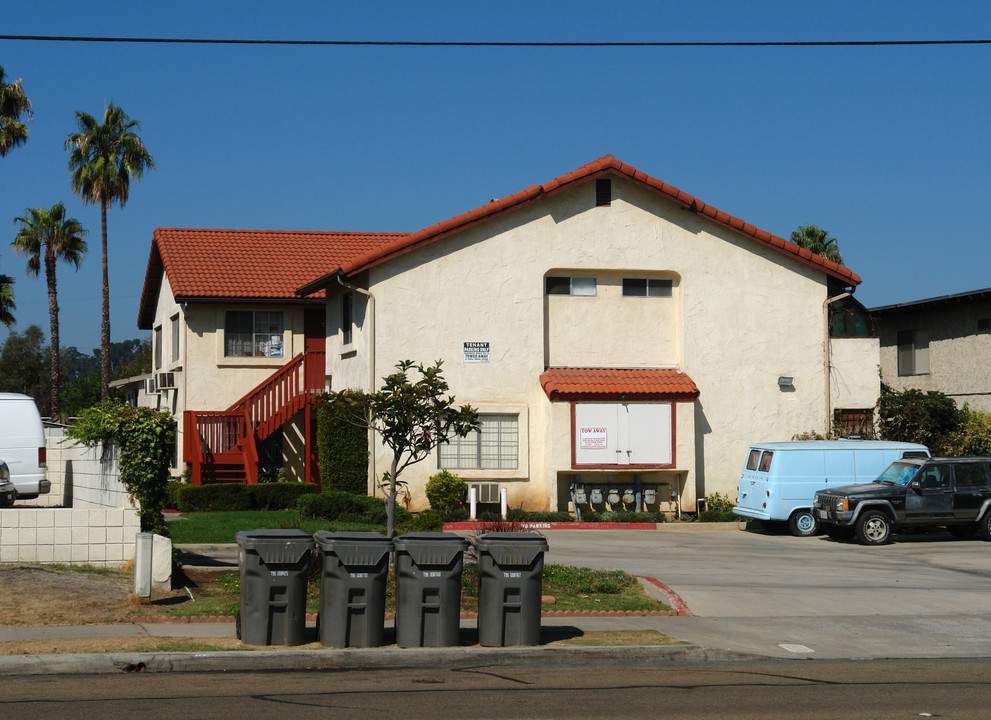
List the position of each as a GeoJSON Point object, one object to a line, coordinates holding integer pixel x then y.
{"type": "Point", "coordinates": [913, 352]}
{"type": "Point", "coordinates": [174, 327]}
{"type": "Point", "coordinates": [157, 342]}
{"type": "Point", "coordinates": [558, 285]}
{"type": "Point", "coordinates": [647, 287]}
{"type": "Point", "coordinates": [253, 334]}
{"type": "Point", "coordinates": [495, 446]}
{"type": "Point", "coordinates": [347, 318]}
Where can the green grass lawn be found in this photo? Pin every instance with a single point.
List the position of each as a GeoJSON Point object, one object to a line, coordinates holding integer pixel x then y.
{"type": "Point", "coordinates": [573, 588]}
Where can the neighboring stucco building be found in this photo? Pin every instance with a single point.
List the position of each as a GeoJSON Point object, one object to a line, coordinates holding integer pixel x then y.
{"type": "Point", "coordinates": [615, 333]}
{"type": "Point", "coordinates": [941, 343]}
{"type": "Point", "coordinates": [235, 350]}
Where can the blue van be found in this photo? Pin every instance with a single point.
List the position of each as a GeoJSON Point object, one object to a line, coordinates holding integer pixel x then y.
{"type": "Point", "coordinates": [780, 479]}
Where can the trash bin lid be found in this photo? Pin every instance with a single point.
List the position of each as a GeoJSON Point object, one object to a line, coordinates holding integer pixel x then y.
{"type": "Point", "coordinates": [286, 547]}
{"type": "Point", "coordinates": [355, 548]}
{"type": "Point", "coordinates": [431, 548]}
{"type": "Point", "coordinates": [513, 548]}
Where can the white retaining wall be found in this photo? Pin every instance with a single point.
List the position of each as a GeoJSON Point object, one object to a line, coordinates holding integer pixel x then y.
{"type": "Point", "coordinates": [87, 519]}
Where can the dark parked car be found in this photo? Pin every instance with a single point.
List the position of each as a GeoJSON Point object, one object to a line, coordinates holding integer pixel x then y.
{"type": "Point", "coordinates": [911, 493]}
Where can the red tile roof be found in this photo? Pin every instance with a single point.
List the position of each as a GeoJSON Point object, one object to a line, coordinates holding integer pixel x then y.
{"type": "Point", "coordinates": [603, 166]}
{"type": "Point", "coordinates": [563, 384]}
{"type": "Point", "coordinates": [262, 264]}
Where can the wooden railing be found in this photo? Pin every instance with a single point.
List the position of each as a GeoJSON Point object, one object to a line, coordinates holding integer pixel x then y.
{"type": "Point", "coordinates": [229, 438]}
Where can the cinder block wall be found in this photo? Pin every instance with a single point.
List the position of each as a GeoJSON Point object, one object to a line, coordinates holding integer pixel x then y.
{"type": "Point", "coordinates": [95, 521]}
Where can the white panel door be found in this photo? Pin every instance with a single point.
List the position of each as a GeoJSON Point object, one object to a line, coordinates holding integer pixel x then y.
{"type": "Point", "coordinates": [650, 433]}
{"type": "Point", "coordinates": [623, 434]}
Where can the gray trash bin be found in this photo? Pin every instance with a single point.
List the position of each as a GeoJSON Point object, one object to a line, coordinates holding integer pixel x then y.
{"type": "Point", "coordinates": [354, 568]}
{"type": "Point", "coordinates": [274, 566]}
{"type": "Point", "coordinates": [510, 575]}
{"type": "Point", "coordinates": [428, 589]}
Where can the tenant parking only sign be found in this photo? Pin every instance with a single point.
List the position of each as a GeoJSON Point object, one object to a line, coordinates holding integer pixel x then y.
{"type": "Point", "coordinates": [476, 352]}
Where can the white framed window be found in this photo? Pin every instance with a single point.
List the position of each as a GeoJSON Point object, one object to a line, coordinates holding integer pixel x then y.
{"type": "Point", "coordinates": [174, 327]}
{"type": "Point", "coordinates": [249, 333]}
{"type": "Point", "coordinates": [578, 286]}
{"type": "Point", "coordinates": [913, 352]}
{"type": "Point", "coordinates": [495, 446]}
{"type": "Point", "coordinates": [647, 287]}
{"type": "Point", "coordinates": [156, 341]}
{"type": "Point", "coordinates": [347, 318]}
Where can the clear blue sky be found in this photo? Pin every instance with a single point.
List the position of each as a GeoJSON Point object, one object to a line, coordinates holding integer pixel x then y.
{"type": "Point", "coordinates": [885, 147]}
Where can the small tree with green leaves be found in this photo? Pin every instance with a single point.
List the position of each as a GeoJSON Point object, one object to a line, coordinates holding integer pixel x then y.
{"type": "Point", "coordinates": [915, 416]}
{"type": "Point", "coordinates": [412, 417]}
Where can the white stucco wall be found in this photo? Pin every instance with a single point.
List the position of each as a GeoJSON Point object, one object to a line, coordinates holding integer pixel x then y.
{"type": "Point", "coordinates": [855, 375]}
{"type": "Point", "coordinates": [740, 317]}
{"type": "Point", "coordinates": [95, 522]}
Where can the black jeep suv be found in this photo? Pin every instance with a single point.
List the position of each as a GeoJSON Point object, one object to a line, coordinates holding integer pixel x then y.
{"type": "Point", "coordinates": [911, 493]}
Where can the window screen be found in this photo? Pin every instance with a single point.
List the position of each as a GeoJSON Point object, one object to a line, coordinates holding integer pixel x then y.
{"type": "Point", "coordinates": [495, 446]}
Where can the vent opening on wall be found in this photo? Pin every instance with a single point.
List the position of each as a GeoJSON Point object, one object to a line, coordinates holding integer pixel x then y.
{"type": "Point", "coordinates": [486, 492]}
{"type": "Point", "coordinates": [603, 192]}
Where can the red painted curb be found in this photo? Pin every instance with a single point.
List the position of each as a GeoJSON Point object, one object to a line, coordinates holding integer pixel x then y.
{"type": "Point", "coordinates": [555, 525]}
{"type": "Point", "coordinates": [679, 606]}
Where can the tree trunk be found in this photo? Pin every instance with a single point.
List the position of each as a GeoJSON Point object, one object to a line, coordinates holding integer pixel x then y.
{"type": "Point", "coordinates": [105, 327]}
{"type": "Point", "coordinates": [55, 411]}
{"type": "Point", "coordinates": [390, 499]}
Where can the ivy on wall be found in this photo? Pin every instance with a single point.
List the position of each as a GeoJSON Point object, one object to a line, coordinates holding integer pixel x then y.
{"type": "Point", "coordinates": [342, 444]}
{"type": "Point", "coordinates": [145, 438]}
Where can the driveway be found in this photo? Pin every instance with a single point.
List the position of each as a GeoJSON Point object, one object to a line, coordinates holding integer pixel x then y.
{"type": "Point", "coordinates": [921, 596]}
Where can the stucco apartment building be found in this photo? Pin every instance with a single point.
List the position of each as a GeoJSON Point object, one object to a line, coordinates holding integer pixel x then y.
{"type": "Point", "coordinates": [940, 343]}
{"type": "Point", "coordinates": [615, 333]}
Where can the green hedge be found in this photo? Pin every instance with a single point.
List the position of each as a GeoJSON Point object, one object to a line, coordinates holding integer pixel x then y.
{"type": "Point", "coordinates": [235, 496]}
{"type": "Point", "coordinates": [348, 507]}
{"type": "Point", "coordinates": [342, 446]}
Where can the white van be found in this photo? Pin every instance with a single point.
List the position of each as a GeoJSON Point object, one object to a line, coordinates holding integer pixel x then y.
{"type": "Point", "coordinates": [780, 479]}
{"type": "Point", "coordinates": [22, 446]}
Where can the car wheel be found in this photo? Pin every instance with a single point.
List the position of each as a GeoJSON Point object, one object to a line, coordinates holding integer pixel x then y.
{"type": "Point", "coordinates": [6, 501]}
{"type": "Point", "coordinates": [873, 528]}
{"type": "Point", "coordinates": [964, 532]}
{"type": "Point", "coordinates": [803, 523]}
{"type": "Point", "coordinates": [984, 526]}
{"type": "Point", "coordinates": [838, 532]}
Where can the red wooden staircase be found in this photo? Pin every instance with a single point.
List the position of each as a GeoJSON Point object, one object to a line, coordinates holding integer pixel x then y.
{"type": "Point", "coordinates": [223, 446]}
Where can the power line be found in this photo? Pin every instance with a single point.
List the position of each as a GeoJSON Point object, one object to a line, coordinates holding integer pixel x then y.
{"type": "Point", "coordinates": [471, 43]}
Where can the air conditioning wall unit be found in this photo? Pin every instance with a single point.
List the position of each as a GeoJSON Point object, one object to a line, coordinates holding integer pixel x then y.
{"type": "Point", "coordinates": [166, 381]}
{"type": "Point", "coordinates": [151, 386]}
{"type": "Point", "coordinates": [486, 492]}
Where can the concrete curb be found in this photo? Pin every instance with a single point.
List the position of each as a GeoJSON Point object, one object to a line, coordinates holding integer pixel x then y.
{"type": "Point", "coordinates": [282, 660]}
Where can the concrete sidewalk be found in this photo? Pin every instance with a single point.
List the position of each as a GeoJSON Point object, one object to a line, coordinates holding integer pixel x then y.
{"type": "Point", "coordinates": [307, 657]}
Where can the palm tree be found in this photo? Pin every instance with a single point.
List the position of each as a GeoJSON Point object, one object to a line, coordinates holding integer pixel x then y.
{"type": "Point", "coordinates": [818, 241]}
{"type": "Point", "coordinates": [14, 105]}
{"type": "Point", "coordinates": [103, 159]}
{"type": "Point", "coordinates": [51, 234]}
{"type": "Point", "coordinates": [7, 305]}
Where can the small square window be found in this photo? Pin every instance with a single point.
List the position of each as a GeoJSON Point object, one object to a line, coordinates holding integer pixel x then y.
{"type": "Point", "coordinates": [647, 287]}
{"type": "Point", "coordinates": [559, 285]}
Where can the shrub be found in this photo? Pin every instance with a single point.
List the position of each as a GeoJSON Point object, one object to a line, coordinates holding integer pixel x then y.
{"type": "Point", "coordinates": [172, 489]}
{"type": "Point", "coordinates": [920, 417]}
{"type": "Point", "coordinates": [973, 437]}
{"type": "Point", "coordinates": [459, 515]}
{"type": "Point", "coordinates": [342, 445]}
{"type": "Point", "coordinates": [426, 521]}
{"type": "Point", "coordinates": [231, 496]}
{"type": "Point", "coordinates": [145, 439]}
{"type": "Point", "coordinates": [446, 491]}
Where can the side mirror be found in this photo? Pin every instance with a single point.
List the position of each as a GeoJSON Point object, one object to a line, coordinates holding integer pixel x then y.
{"type": "Point", "coordinates": [915, 485]}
